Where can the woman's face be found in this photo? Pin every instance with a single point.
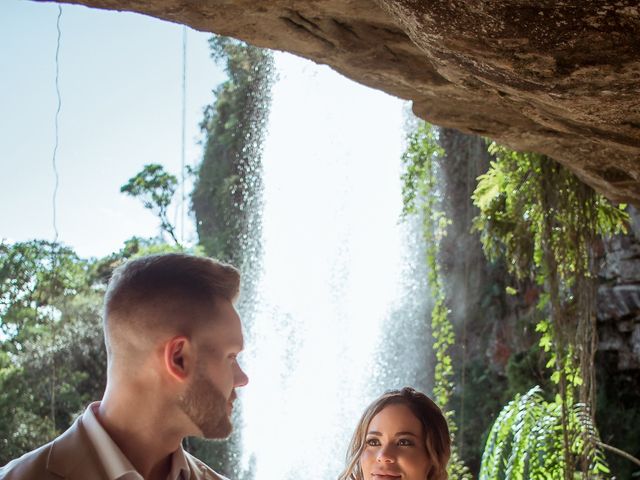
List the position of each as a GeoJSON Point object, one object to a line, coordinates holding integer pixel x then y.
{"type": "Point", "coordinates": [395, 446]}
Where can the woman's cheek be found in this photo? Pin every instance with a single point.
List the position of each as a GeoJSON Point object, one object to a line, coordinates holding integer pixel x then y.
{"type": "Point", "coordinates": [366, 458]}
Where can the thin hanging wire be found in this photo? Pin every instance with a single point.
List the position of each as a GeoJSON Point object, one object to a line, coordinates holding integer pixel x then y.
{"type": "Point", "coordinates": [184, 116]}
{"type": "Point", "coordinates": [54, 372]}
{"type": "Point", "coordinates": [57, 118]}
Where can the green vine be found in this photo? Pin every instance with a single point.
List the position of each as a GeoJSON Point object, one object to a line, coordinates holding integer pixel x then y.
{"type": "Point", "coordinates": [422, 197]}
{"type": "Point", "coordinates": [543, 223]}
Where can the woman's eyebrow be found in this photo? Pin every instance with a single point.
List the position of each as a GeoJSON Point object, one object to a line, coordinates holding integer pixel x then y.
{"type": "Point", "coordinates": [406, 433]}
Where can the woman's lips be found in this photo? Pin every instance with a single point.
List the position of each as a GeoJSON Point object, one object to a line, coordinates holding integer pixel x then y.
{"type": "Point", "coordinates": [385, 475]}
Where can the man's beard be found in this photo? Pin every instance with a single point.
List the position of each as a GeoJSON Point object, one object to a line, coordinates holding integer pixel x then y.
{"type": "Point", "coordinates": [206, 406]}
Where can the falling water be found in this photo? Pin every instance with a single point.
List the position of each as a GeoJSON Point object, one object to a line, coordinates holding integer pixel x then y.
{"type": "Point", "coordinates": [340, 311]}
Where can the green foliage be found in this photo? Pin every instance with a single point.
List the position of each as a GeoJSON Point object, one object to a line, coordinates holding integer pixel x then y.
{"type": "Point", "coordinates": [484, 389]}
{"type": "Point", "coordinates": [52, 357]}
{"type": "Point", "coordinates": [526, 441]}
{"type": "Point", "coordinates": [155, 187]}
{"type": "Point", "coordinates": [527, 369]}
{"type": "Point", "coordinates": [421, 196]}
{"type": "Point", "coordinates": [523, 192]}
{"type": "Point", "coordinates": [226, 196]}
{"type": "Point", "coordinates": [35, 278]}
{"type": "Point", "coordinates": [52, 354]}
{"type": "Point", "coordinates": [542, 221]}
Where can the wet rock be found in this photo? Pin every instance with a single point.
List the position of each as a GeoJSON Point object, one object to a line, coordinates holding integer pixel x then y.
{"type": "Point", "coordinates": [635, 340]}
{"type": "Point", "coordinates": [618, 302]}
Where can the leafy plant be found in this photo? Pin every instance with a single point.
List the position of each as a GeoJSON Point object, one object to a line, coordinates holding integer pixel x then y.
{"type": "Point", "coordinates": [543, 222]}
{"type": "Point", "coordinates": [525, 441]}
{"type": "Point", "coordinates": [422, 196]}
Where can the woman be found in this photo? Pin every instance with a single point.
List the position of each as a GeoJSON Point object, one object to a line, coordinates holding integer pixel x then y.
{"type": "Point", "coordinates": [402, 435]}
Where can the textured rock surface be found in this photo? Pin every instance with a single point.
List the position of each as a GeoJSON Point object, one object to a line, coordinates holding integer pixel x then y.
{"type": "Point", "coordinates": [618, 301]}
{"type": "Point", "coordinates": [561, 78]}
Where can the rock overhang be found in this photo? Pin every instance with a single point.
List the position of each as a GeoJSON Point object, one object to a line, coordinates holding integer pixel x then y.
{"type": "Point", "coordinates": [558, 78]}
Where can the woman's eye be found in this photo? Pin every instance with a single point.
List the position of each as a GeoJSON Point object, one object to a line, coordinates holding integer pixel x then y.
{"type": "Point", "coordinates": [373, 442]}
{"type": "Point", "coordinates": [405, 442]}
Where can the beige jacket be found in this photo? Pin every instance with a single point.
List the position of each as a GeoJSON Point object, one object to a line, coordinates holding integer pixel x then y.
{"type": "Point", "coordinates": [71, 456]}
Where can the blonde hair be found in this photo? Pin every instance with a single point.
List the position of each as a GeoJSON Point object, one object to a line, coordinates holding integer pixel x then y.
{"type": "Point", "coordinates": [436, 431]}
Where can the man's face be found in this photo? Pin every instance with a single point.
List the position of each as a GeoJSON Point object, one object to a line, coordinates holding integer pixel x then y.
{"type": "Point", "coordinates": [209, 398]}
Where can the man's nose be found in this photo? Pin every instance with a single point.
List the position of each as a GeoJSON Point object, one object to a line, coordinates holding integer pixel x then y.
{"type": "Point", "coordinates": [240, 379]}
{"type": "Point", "coordinates": [386, 454]}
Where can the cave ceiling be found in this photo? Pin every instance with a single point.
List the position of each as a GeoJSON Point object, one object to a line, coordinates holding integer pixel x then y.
{"type": "Point", "coordinates": [556, 77]}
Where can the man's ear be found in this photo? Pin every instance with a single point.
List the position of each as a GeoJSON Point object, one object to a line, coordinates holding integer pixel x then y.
{"type": "Point", "coordinates": [178, 357]}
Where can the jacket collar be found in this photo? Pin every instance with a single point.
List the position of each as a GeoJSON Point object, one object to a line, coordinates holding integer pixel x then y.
{"type": "Point", "coordinates": [199, 471]}
{"type": "Point", "coordinates": [72, 456]}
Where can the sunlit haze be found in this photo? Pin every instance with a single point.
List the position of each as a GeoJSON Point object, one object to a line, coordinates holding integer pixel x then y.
{"type": "Point", "coordinates": [335, 258]}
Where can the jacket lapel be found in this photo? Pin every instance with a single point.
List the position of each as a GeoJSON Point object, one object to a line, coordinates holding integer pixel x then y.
{"type": "Point", "coordinates": [73, 457]}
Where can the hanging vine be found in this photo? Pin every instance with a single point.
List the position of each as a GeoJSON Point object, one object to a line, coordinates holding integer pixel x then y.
{"type": "Point", "coordinates": [543, 222]}
{"type": "Point", "coordinates": [422, 196]}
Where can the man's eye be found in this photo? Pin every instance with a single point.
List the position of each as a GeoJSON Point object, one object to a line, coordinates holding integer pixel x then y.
{"type": "Point", "coordinates": [405, 442]}
{"type": "Point", "coordinates": [373, 442]}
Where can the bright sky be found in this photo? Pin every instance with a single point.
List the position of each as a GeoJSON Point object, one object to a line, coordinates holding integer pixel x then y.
{"type": "Point", "coordinates": [121, 86]}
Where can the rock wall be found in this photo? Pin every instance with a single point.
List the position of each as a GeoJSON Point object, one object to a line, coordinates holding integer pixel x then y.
{"type": "Point", "coordinates": [468, 276]}
{"type": "Point", "coordinates": [618, 301]}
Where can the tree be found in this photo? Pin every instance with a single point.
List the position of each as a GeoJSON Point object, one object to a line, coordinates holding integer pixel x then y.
{"type": "Point", "coordinates": [226, 198]}
{"type": "Point", "coordinates": [52, 355]}
{"type": "Point", "coordinates": [34, 278]}
{"type": "Point", "coordinates": [155, 187]}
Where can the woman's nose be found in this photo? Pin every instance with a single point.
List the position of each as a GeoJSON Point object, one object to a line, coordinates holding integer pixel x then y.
{"type": "Point", "coordinates": [386, 455]}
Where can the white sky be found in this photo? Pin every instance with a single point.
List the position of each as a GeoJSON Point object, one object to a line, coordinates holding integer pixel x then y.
{"type": "Point", "coordinates": [121, 86]}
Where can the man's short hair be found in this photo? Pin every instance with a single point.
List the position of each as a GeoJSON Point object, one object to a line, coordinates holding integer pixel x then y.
{"type": "Point", "coordinates": [176, 281]}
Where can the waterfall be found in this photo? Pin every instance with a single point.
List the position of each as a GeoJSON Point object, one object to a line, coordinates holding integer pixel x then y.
{"type": "Point", "coordinates": [340, 312]}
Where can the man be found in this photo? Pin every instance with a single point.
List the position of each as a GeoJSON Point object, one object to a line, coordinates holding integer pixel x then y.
{"type": "Point", "coordinates": [172, 337]}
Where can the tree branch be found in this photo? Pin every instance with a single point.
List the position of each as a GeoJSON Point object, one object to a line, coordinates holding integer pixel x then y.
{"type": "Point", "coordinates": [622, 453]}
